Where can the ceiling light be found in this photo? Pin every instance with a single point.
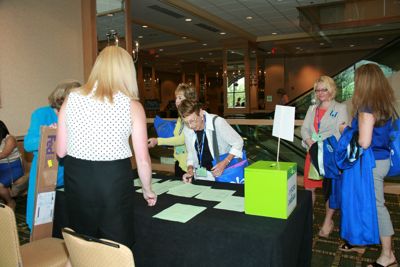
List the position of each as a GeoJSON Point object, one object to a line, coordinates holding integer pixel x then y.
{"type": "Point", "coordinates": [321, 43]}
{"type": "Point", "coordinates": [380, 38]}
{"type": "Point", "coordinates": [274, 33]}
{"type": "Point", "coordinates": [204, 44]}
{"type": "Point", "coordinates": [222, 33]}
{"type": "Point", "coordinates": [145, 26]}
{"type": "Point", "coordinates": [161, 49]}
{"type": "Point", "coordinates": [110, 15]}
{"type": "Point", "coordinates": [201, 58]}
{"type": "Point", "coordinates": [188, 19]}
{"type": "Point", "coordinates": [351, 45]}
{"type": "Point", "coordinates": [140, 37]}
{"type": "Point", "coordinates": [249, 17]}
{"type": "Point", "coordinates": [298, 47]}
{"type": "Point", "coordinates": [210, 54]}
{"type": "Point", "coordinates": [184, 37]}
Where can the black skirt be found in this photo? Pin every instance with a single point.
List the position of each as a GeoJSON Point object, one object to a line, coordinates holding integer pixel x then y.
{"type": "Point", "coordinates": [100, 198]}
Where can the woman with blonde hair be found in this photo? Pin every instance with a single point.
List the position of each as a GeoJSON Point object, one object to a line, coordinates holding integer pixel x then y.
{"type": "Point", "coordinates": [182, 92]}
{"type": "Point", "coordinates": [44, 116]}
{"type": "Point", "coordinates": [324, 119]}
{"type": "Point", "coordinates": [93, 135]}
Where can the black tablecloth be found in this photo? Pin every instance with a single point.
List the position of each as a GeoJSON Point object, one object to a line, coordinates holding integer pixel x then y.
{"type": "Point", "coordinates": [222, 238]}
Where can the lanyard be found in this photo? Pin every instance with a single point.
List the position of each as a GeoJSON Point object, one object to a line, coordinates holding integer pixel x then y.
{"type": "Point", "coordinates": [318, 118]}
{"type": "Point", "coordinates": [200, 150]}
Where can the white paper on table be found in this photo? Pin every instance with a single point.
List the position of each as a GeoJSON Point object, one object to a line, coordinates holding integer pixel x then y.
{"type": "Point", "coordinates": [138, 183]}
{"type": "Point", "coordinates": [160, 188]}
{"type": "Point", "coordinates": [232, 203]}
{"type": "Point", "coordinates": [283, 126]}
{"type": "Point", "coordinates": [215, 194]}
{"type": "Point", "coordinates": [179, 212]}
{"type": "Point", "coordinates": [45, 207]}
{"type": "Point", "coordinates": [187, 190]}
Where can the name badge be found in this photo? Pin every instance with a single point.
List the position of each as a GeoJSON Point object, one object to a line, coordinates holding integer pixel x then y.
{"type": "Point", "coordinates": [180, 149]}
{"type": "Point", "coordinates": [201, 172]}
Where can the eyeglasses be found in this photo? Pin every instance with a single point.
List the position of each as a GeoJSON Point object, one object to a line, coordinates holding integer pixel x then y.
{"type": "Point", "coordinates": [321, 90]}
{"type": "Point", "coordinates": [190, 122]}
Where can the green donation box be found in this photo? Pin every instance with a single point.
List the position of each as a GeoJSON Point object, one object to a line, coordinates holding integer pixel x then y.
{"type": "Point", "coordinates": [270, 189]}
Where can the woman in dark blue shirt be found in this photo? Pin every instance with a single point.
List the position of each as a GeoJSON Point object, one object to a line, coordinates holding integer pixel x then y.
{"type": "Point", "coordinates": [373, 101]}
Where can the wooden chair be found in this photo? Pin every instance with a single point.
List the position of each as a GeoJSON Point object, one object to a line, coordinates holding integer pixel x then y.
{"type": "Point", "coordinates": [48, 252]}
{"type": "Point", "coordinates": [86, 251]}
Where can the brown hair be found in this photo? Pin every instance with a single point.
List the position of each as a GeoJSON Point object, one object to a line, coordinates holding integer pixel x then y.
{"type": "Point", "coordinates": [188, 107]}
{"type": "Point", "coordinates": [57, 97]}
{"type": "Point", "coordinates": [373, 93]}
{"type": "Point", "coordinates": [189, 92]}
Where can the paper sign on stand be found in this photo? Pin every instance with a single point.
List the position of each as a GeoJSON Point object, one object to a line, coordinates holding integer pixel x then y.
{"type": "Point", "coordinates": [46, 181]}
{"type": "Point", "coordinates": [271, 187]}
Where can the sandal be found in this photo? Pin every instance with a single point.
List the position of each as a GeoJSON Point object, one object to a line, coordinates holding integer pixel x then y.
{"type": "Point", "coordinates": [347, 247]}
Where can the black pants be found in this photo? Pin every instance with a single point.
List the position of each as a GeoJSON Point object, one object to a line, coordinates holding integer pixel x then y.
{"type": "Point", "coordinates": [100, 198]}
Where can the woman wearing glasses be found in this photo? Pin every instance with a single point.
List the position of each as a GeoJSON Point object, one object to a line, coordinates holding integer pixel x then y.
{"type": "Point", "coordinates": [199, 142]}
{"type": "Point", "coordinates": [324, 119]}
{"type": "Point", "coordinates": [182, 92]}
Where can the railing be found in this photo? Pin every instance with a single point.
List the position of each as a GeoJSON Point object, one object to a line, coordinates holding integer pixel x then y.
{"type": "Point", "coordinates": [259, 144]}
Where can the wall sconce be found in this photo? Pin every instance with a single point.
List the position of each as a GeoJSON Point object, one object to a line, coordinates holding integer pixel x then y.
{"type": "Point", "coordinates": [135, 51]}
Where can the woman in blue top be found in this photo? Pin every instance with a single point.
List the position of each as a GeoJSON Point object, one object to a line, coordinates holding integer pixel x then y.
{"type": "Point", "coordinates": [373, 103]}
{"type": "Point", "coordinates": [44, 116]}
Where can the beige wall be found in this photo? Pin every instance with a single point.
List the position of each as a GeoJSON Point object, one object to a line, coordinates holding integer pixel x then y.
{"type": "Point", "coordinates": [41, 44]}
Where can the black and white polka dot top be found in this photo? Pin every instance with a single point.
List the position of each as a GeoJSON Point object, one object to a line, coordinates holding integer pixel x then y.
{"type": "Point", "coordinates": [98, 130]}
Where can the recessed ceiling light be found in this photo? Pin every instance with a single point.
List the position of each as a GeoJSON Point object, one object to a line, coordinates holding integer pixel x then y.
{"type": "Point", "coordinates": [269, 52]}
{"type": "Point", "coordinates": [380, 38]}
{"type": "Point", "coordinates": [321, 43]}
{"type": "Point", "coordinates": [298, 47]}
{"type": "Point", "coordinates": [201, 58]}
{"type": "Point", "coordinates": [140, 37]}
{"type": "Point", "coordinates": [188, 19]}
{"type": "Point", "coordinates": [110, 15]}
{"type": "Point", "coordinates": [184, 37]}
{"type": "Point", "coordinates": [161, 49]}
{"type": "Point", "coordinates": [274, 33]}
{"type": "Point", "coordinates": [249, 17]}
{"type": "Point", "coordinates": [145, 26]}
{"type": "Point", "coordinates": [222, 33]}
{"type": "Point", "coordinates": [351, 45]}
{"type": "Point", "coordinates": [204, 44]}
{"type": "Point", "coordinates": [210, 54]}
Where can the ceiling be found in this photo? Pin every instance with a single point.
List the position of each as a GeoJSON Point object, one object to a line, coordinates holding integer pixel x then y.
{"type": "Point", "coordinates": [275, 27]}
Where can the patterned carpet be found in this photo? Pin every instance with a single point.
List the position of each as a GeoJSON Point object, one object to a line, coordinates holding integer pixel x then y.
{"type": "Point", "coordinates": [325, 250]}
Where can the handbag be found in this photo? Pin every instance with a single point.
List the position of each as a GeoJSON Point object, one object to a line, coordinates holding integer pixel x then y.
{"type": "Point", "coordinates": [234, 171]}
{"type": "Point", "coordinates": [164, 128]}
{"type": "Point", "coordinates": [394, 145]}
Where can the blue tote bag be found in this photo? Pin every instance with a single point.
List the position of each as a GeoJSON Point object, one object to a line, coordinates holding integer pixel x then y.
{"type": "Point", "coordinates": [395, 149]}
{"type": "Point", "coordinates": [164, 128]}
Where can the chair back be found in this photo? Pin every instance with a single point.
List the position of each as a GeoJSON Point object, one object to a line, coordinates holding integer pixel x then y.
{"type": "Point", "coordinates": [10, 254]}
{"type": "Point", "coordinates": [86, 251]}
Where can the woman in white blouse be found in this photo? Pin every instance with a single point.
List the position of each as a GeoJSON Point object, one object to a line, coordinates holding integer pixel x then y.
{"type": "Point", "coordinates": [95, 123]}
{"type": "Point", "coordinates": [198, 131]}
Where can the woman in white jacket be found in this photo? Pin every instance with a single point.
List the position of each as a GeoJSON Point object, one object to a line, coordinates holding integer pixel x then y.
{"type": "Point", "coordinates": [198, 131]}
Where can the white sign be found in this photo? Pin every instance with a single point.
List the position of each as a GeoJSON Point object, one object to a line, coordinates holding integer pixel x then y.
{"type": "Point", "coordinates": [45, 207]}
{"type": "Point", "coordinates": [283, 126]}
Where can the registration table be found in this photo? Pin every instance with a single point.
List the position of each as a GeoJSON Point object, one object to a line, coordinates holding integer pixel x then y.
{"type": "Point", "coordinates": [218, 237]}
